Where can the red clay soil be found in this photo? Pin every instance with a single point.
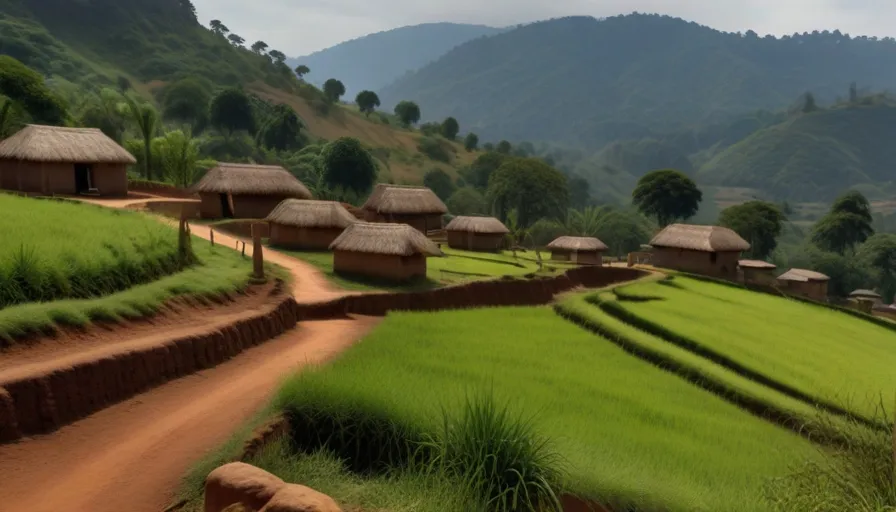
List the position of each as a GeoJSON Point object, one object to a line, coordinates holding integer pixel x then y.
{"type": "Point", "coordinates": [132, 455]}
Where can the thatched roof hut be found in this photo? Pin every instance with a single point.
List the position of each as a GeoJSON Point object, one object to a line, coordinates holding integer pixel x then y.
{"type": "Point", "coordinates": [246, 190]}
{"type": "Point", "coordinates": [578, 249]}
{"type": "Point", "coordinates": [391, 251]}
{"type": "Point", "coordinates": [757, 272]}
{"type": "Point", "coordinates": [709, 250]}
{"type": "Point", "coordinates": [419, 207]}
{"type": "Point", "coordinates": [308, 224]}
{"type": "Point", "coordinates": [866, 294]}
{"type": "Point", "coordinates": [476, 233]}
{"type": "Point", "coordinates": [801, 275]}
{"type": "Point", "coordinates": [756, 265]}
{"type": "Point", "coordinates": [59, 160]}
{"type": "Point", "coordinates": [807, 283]}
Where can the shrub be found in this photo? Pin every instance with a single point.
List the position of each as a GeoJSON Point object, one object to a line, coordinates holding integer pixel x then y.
{"type": "Point", "coordinates": [434, 149]}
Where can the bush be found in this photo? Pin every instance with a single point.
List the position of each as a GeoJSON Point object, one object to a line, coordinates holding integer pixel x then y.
{"type": "Point", "coordinates": [434, 149]}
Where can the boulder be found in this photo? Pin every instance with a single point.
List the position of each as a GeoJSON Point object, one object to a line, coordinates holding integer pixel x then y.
{"type": "Point", "coordinates": [238, 482]}
{"type": "Point", "coordinates": [298, 498]}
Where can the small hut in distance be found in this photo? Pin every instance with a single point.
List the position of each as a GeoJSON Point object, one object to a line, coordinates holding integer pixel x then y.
{"type": "Point", "coordinates": [395, 252]}
{"type": "Point", "coordinates": [757, 272]}
{"type": "Point", "coordinates": [807, 283]}
{"type": "Point", "coordinates": [246, 191]}
{"type": "Point", "coordinates": [418, 207]}
{"type": "Point", "coordinates": [476, 233]}
{"type": "Point", "coordinates": [307, 224]}
{"type": "Point", "coordinates": [578, 249]}
{"type": "Point", "coordinates": [708, 250]}
{"type": "Point", "coordinates": [56, 160]}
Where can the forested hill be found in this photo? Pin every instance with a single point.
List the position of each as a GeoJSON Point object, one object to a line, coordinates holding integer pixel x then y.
{"type": "Point", "coordinates": [588, 82]}
{"type": "Point", "coordinates": [94, 41]}
{"type": "Point", "coordinates": [376, 60]}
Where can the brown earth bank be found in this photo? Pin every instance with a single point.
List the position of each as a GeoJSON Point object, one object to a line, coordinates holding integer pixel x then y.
{"type": "Point", "coordinates": [132, 455]}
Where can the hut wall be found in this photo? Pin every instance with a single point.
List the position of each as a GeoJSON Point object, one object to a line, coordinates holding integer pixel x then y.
{"type": "Point", "coordinates": [580, 257]}
{"type": "Point", "coordinates": [210, 206]}
{"type": "Point", "coordinates": [421, 222]}
{"type": "Point", "coordinates": [255, 206]}
{"type": "Point", "coordinates": [37, 177]}
{"type": "Point", "coordinates": [380, 266]}
{"type": "Point", "coordinates": [722, 265]}
{"type": "Point", "coordinates": [815, 290]}
{"type": "Point", "coordinates": [467, 241]}
{"type": "Point", "coordinates": [303, 238]}
{"type": "Point", "coordinates": [110, 179]}
{"type": "Point", "coordinates": [759, 276]}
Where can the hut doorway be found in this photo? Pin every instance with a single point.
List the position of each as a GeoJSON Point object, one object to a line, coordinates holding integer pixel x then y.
{"type": "Point", "coordinates": [82, 178]}
{"type": "Point", "coordinates": [226, 210]}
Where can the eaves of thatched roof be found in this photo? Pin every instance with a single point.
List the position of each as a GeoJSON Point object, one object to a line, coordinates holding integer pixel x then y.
{"type": "Point", "coordinates": [404, 200]}
{"type": "Point", "coordinates": [700, 238]}
{"type": "Point", "coordinates": [577, 244]}
{"type": "Point", "coordinates": [801, 275]}
{"type": "Point", "coordinates": [480, 225]}
{"type": "Point", "coordinates": [250, 179]}
{"type": "Point", "coordinates": [37, 143]}
{"type": "Point", "coordinates": [306, 213]}
{"type": "Point", "coordinates": [387, 239]}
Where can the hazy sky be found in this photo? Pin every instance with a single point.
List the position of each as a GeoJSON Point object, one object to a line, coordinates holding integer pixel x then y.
{"type": "Point", "coordinates": [299, 27]}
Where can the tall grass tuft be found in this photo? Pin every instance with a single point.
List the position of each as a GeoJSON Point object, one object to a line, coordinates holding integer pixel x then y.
{"type": "Point", "coordinates": [858, 475]}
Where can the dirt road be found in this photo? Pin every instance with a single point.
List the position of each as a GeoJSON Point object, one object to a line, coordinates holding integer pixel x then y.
{"type": "Point", "coordinates": [130, 457]}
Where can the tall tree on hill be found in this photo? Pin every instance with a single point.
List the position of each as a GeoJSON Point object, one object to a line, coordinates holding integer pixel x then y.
{"type": "Point", "coordinates": [277, 55]}
{"type": "Point", "coordinates": [471, 141]}
{"type": "Point", "coordinates": [467, 201]}
{"type": "Point", "coordinates": [531, 187]}
{"type": "Point", "coordinates": [408, 112]}
{"type": "Point", "coordinates": [218, 27]}
{"type": "Point", "coordinates": [259, 47]}
{"type": "Point", "coordinates": [879, 254]}
{"type": "Point", "coordinates": [102, 111]}
{"type": "Point", "coordinates": [145, 119]}
{"type": "Point", "coordinates": [281, 130]}
{"type": "Point", "coordinates": [186, 101]}
{"type": "Point", "coordinates": [231, 111]}
{"type": "Point", "coordinates": [450, 128]}
{"type": "Point", "coordinates": [27, 88]}
{"type": "Point", "coordinates": [481, 170]}
{"type": "Point", "coordinates": [440, 183]}
{"type": "Point", "coordinates": [236, 40]}
{"type": "Point", "coordinates": [809, 104]}
{"type": "Point", "coordinates": [504, 147]}
{"type": "Point", "coordinates": [848, 224]}
{"type": "Point", "coordinates": [348, 166]}
{"type": "Point", "coordinates": [333, 89]}
{"type": "Point", "coordinates": [367, 102]}
{"type": "Point", "coordinates": [302, 70]}
{"type": "Point", "coordinates": [757, 222]}
{"type": "Point", "coordinates": [667, 195]}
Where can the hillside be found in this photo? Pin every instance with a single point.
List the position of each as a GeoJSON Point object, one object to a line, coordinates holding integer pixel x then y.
{"type": "Point", "coordinates": [588, 82]}
{"type": "Point", "coordinates": [376, 60]}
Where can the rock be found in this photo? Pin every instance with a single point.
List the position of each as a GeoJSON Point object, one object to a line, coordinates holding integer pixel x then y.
{"type": "Point", "coordinates": [298, 498]}
{"type": "Point", "coordinates": [238, 482]}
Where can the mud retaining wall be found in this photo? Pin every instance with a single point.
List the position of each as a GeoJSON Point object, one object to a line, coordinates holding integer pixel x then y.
{"type": "Point", "coordinates": [499, 292]}
{"type": "Point", "coordinates": [41, 403]}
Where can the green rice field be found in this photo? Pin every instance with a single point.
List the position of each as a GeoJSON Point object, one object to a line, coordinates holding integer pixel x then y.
{"type": "Point", "coordinates": [628, 433]}
{"type": "Point", "coordinates": [820, 352]}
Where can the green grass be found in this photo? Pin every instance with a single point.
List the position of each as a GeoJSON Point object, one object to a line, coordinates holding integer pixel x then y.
{"type": "Point", "coordinates": [629, 433]}
{"type": "Point", "coordinates": [62, 250]}
{"type": "Point", "coordinates": [828, 355]}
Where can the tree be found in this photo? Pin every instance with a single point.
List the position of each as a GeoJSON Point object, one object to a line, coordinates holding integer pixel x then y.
{"type": "Point", "coordinates": [236, 40]}
{"type": "Point", "coordinates": [102, 111]}
{"type": "Point", "coordinates": [333, 89]}
{"type": "Point", "coordinates": [504, 147]}
{"type": "Point", "coordinates": [408, 112]}
{"type": "Point", "coordinates": [281, 130]}
{"type": "Point", "coordinates": [848, 224]}
{"type": "Point", "coordinates": [623, 231]}
{"type": "Point", "coordinates": [853, 93]}
{"type": "Point", "coordinates": [879, 254]}
{"type": "Point", "coordinates": [481, 170]}
{"type": "Point", "coordinates": [259, 47]}
{"type": "Point", "coordinates": [579, 191]}
{"type": "Point", "coordinates": [467, 201]}
{"type": "Point", "coordinates": [440, 183]}
{"type": "Point", "coordinates": [231, 110]}
{"type": "Point", "coordinates": [178, 153]}
{"type": "Point", "coordinates": [809, 103]}
{"type": "Point", "coordinates": [26, 87]}
{"type": "Point", "coordinates": [145, 119]}
{"type": "Point", "coordinates": [302, 70]}
{"type": "Point", "coordinates": [667, 195]}
{"type": "Point", "coordinates": [186, 100]}
{"type": "Point", "coordinates": [471, 141]}
{"type": "Point", "coordinates": [757, 222]}
{"type": "Point", "coordinates": [11, 117]}
{"type": "Point", "coordinates": [277, 55]}
{"type": "Point", "coordinates": [450, 128]}
{"type": "Point", "coordinates": [367, 101]}
{"type": "Point", "coordinates": [218, 27]}
{"type": "Point", "coordinates": [529, 186]}
{"type": "Point", "coordinates": [348, 166]}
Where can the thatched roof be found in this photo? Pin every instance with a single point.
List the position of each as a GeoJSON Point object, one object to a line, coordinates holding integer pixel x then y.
{"type": "Point", "coordinates": [802, 276]}
{"type": "Point", "coordinates": [388, 239]}
{"type": "Point", "coordinates": [252, 179]}
{"type": "Point", "coordinates": [481, 225]}
{"type": "Point", "coordinates": [36, 143]}
{"type": "Point", "coordinates": [305, 213]}
{"type": "Point", "coordinates": [865, 294]}
{"type": "Point", "coordinates": [404, 200]}
{"type": "Point", "coordinates": [700, 238]}
{"type": "Point", "coordinates": [757, 264]}
{"type": "Point", "coordinates": [578, 244]}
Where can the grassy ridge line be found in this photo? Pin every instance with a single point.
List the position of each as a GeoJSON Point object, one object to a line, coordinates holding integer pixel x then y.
{"type": "Point", "coordinates": [616, 310]}
{"type": "Point", "coordinates": [751, 396]}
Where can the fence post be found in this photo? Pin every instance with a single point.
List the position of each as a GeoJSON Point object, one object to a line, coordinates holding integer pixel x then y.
{"type": "Point", "coordinates": [211, 236]}
{"type": "Point", "coordinates": [257, 253]}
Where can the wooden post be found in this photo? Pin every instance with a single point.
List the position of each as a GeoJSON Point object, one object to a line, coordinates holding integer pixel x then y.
{"type": "Point", "coordinates": [211, 236]}
{"type": "Point", "coordinates": [244, 249]}
{"type": "Point", "coordinates": [257, 253]}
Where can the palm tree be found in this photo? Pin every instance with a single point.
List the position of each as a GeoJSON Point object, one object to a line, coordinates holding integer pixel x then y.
{"type": "Point", "coordinates": [145, 118]}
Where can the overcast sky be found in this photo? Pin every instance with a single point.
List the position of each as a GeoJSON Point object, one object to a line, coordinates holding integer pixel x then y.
{"type": "Point", "coordinates": [299, 27]}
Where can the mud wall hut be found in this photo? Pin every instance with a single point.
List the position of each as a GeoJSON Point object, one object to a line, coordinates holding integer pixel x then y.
{"type": "Point", "coordinates": [417, 207]}
{"type": "Point", "coordinates": [246, 191]}
{"type": "Point", "coordinates": [578, 249]}
{"type": "Point", "coordinates": [867, 295]}
{"type": "Point", "coordinates": [708, 250]}
{"type": "Point", "coordinates": [476, 233]}
{"type": "Point", "coordinates": [394, 252]}
{"type": "Point", "coordinates": [55, 160]}
{"type": "Point", "coordinates": [806, 283]}
{"type": "Point", "coordinates": [307, 224]}
{"type": "Point", "coordinates": [757, 272]}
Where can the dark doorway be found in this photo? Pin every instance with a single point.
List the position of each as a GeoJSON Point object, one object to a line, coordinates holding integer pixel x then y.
{"type": "Point", "coordinates": [82, 178]}
{"type": "Point", "coordinates": [226, 212]}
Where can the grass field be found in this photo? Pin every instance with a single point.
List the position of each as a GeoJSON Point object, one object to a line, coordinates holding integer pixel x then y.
{"type": "Point", "coordinates": [820, 352]}
{"type": "Point", "coordinates": [629, 434]}
{"type": "Point", "coordinates": [62, 250]}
